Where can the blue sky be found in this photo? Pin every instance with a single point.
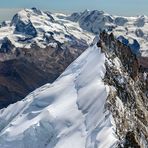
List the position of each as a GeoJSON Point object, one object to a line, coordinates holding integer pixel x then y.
{"type": "Point", "coordinates": [118, 7]}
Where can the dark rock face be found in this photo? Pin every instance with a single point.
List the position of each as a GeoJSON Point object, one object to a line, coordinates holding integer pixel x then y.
{"type": "Point", "coordinates": [124, 52]}
{"type": "Point", "coordinates": [139, 33]}
{"type": "Point", "coordinates": [24, 27]}
{"type": "Point", "coordinates": [131, 141]}
{"type": "Point", "coordinates": [135, 46]}
{"type": "Point", "coordinates": [140, 22]}
{"type": "Point", "coordinates": [127, 99]}
{"type": "Point", "coordinates": [6, 46]}
{"type": "Point", "coordinates": [143, 61]}
{"type": "Point", "coordinates": [120, 21]}
{"type": "Point", "coordinates": [50, 16]}
{"type": "Point", "coordinates": [17, 79]}
{"type": "Point", "coordinates": [37, 11]}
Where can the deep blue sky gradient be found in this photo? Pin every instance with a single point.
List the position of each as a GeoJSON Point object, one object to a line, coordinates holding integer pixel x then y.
{"type": "Point", "coordinates": [117, 7]}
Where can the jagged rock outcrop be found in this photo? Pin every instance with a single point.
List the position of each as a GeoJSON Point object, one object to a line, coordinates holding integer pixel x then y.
{"type": "Point", "coordinates": [6, 46]}
{"type": "Point", "coordinates": [127, 100]}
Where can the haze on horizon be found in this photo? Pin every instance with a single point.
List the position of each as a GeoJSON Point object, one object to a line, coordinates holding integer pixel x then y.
{"type": "Point", "coordinates": [115, 7]}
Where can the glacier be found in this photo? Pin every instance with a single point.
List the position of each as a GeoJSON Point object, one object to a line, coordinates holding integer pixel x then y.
{"type": "Point", "coordinates": [68, 113]}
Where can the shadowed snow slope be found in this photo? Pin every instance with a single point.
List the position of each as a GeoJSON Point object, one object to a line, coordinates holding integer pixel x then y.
{"type": "Point", "coordinates": [70, 113]}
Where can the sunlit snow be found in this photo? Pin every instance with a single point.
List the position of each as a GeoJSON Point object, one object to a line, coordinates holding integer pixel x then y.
{"type": "Point", "coordinates": [70, 113]}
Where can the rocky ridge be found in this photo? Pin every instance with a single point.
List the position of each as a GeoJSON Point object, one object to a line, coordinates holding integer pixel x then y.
{"type": "Point", "coordinates": [128, 92]}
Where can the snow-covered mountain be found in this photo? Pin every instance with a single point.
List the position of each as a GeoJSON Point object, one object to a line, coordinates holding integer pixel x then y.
{"type": "Point", "coordinates": [130, 28]}
{"type": "Point", "coordinates": [68, 113]}
{"type": "Point", "coordinates": [99, 101]}
{"type": "Point", "coordinates": [32, 26]}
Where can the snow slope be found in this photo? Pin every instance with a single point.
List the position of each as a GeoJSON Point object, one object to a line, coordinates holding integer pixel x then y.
{"type": "Point", "coordinates": [70, 113]}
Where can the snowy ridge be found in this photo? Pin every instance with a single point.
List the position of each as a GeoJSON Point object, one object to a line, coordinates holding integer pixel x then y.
{"type": "Point", "coordinates": [68, 113]}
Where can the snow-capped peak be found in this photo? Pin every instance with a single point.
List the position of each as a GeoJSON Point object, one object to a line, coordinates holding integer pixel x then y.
{"type": "Point", "coordinates": [32, 26]}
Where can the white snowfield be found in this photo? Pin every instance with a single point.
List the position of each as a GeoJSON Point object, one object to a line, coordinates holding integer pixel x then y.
{"type": "Point", "coordinates": [70, 113]}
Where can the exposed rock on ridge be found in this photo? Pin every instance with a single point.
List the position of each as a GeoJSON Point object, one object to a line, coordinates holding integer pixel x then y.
{"type": "Point", "coordinates": [127, 100]}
